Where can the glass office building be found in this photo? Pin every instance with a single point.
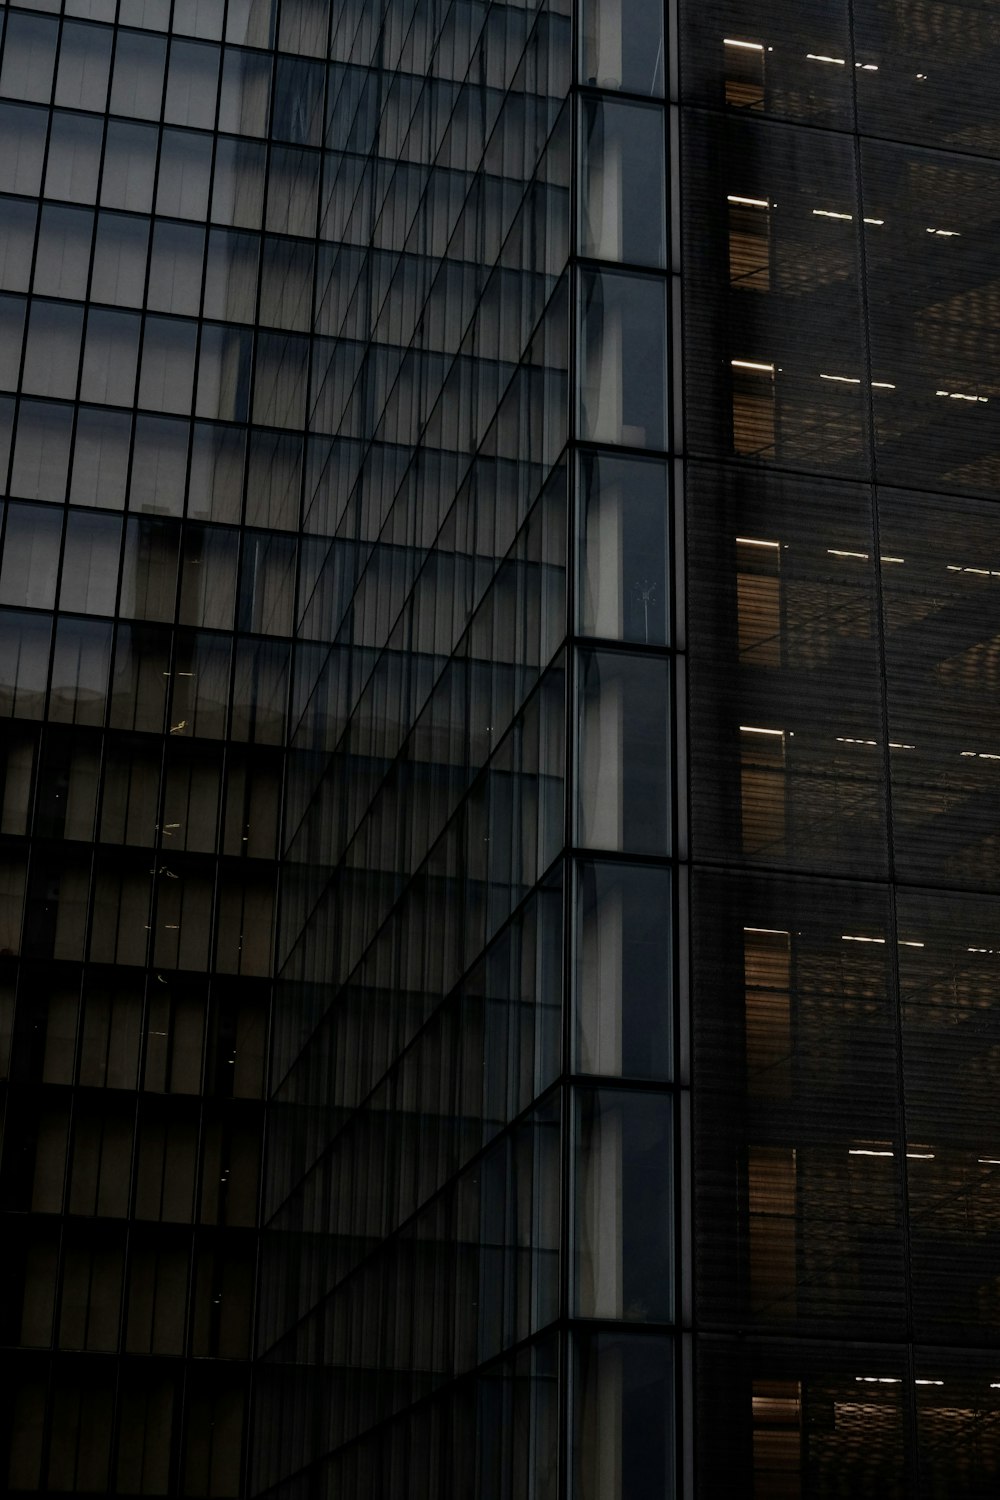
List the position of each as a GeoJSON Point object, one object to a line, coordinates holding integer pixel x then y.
{"type": "Point", "coordinates": [499, 641]}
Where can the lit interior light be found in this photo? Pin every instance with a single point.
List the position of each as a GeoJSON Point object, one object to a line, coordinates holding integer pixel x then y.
{"type": "Point", "coordinates": [847, 937]}
{"type": "Point", "coordinates": [751, 364]}
{"type": "Point", "coordinates": [921, 75]}
{"type": "Point", "coordinates": [840, 62]}
{"type": "Point", "coordinates": [978, 755]}
{"type": "Point", "coordinates": [883, 385]}
{"type": "Point", "coordinates": [843, 739]}
{"type": "Point", "coordinates": [773, 931]}
{"type": "Point", "coordinates": [911, 943]}
{"type": "Point", "coordinates": [989, 1161]}
{"type": "Point", "coordinates": [961, 396]}
{"type": "Point", "coordinates": [920, 1155]}
{"type": "Point", "coordinates": [753, 541]}
{"type": "Point", "coordinates": [880, 1379]}
{"type": "Point", "coordinates": [946, 234]}
{"type": "Point", "coordinates": [866, 1151]}
{"type": "Point", "coordinates": [731, 41]}
{"type": "Point", "coordinates": [752, 729]}
{"type": "Point", "coordinates": [874, 221]}
{"type": "Point", "coordinates": [982, 950]}
{"type": "Point", "coordinates": [892, 559]}
{"type": "Point", "coordinates": [978, 572]}
{"type": "Point", "coordinates": [900, 745]}
{"type": "Point", "coordinates": [928, 1382]}
{"type": "Point", "coordinates": [840, 552]}
{"type": "Point", "coordinates": [748, 202]}
{"type": "Point", "coordinates": [867, 67]}
{"type": "Point", "coordinates": [828, 213]}
{"type": "Point", "coordinates": [843, 379]}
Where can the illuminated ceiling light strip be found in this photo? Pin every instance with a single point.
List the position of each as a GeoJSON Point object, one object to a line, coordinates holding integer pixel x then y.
{"type": "Point", "coordinates": [883, 385]}
{"type": "Point", "coordinates": [980, 950]}
{"type": "Point", "coordinates": [774, 931]}
{"type": "Point", "coordinates": [978, 755]}
{"type": "Point", "coordinates": [843, 739]}
{"type": "Point", "coordinates": [911, 943]}
{"type": "Point", "coordinates": [731, 41]}
{"type": "Point", "coordinates": [900, 745]}
{"type": "Point", "coordinates": [880, 1379]}
{"type": "Point", "coordinates": [840, 62]}
{"type": "Point", "coordinates": [751, 364]}
{"type": "Point", "coordinates": [753, 541]}
{"type": "Point", "coordinates": [869, 1151]}
{"type": "Point", "coordinates": [947, 234]}
{"type": "Point", "coordinates": [748, 202]}
{"type": "Point", "coordinates": [839, 552]}
{"type": "Point", "coordinates": [752, 729]}
{"type": "Point", "coordinates": [989, 1161]}
{"type": "Point", "coordinates": [846, 937]}
{"type": "Point", "coordinates": [867, 67]}
{"type": "Point", "coordinates": [961, 396]}
{"type": "Point", "coordinates": [892, 559]}
{"type": "Point", "coordinates": [843, 379]}
{"type": "Point", "coordinates": [874, 221]}
{"type": "Point", "coordinates": [828, 213]}
{"type": "Point", "coordinates": [928, 1382]}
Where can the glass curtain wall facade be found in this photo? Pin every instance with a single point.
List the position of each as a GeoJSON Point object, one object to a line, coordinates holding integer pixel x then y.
{"type": "Point", "coordinates": [159, 246]}
{"type": "Point", "coordinates": [840, 189]}
{"type": "Point", "coordinates": [468, 1242]}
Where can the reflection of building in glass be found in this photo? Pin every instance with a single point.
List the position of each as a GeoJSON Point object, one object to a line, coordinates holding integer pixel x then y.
{"type": "Point", "coordinates": [498, 952]}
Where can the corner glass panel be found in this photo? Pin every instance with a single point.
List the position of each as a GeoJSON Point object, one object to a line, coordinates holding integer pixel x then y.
{"type": "Point", "coordinates": [623, 46]}
{"type": "Point", "coordinates": [623, 1206]}
{"type": "Point", "coordinates": [622, 978]}
{"type": "Point", "coordinates": [624, 548]}
{"type": "Point", "coordinates": [624, 354]}
{"type": "Point", "coordinates": [623, 197]}
{"type": "Point", "coordinates": [623, 797]}
{"type": "Point", "coordinates": [623, 1418]}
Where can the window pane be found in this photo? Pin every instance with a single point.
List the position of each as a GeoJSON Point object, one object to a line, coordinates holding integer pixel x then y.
{"type": "Point", "coordinates": [624, 375]}
{"type": "Point", "coordinates": [623, 45]}
{"type": "Point", "coordinates": [624, 548]}
{"type": "Point", "coordinates": [29, 53]}
{"type": "Point", "coordinates": [623, 1418]}
{"type": "Point", "coordinates": [74, 158]}
{"type": "Point", "coordinates": [84, 66]}
{"type": "Point", "coordinates": [52, 358]}
{"type": "Point", "coordinates": [41, 453]}
{"type": "Point", "coordinates": [30, 556]}
{"type": "Point", "coordinates": [100, 458]}
{"type": "Point", "coordinates": [120, 260]}
{"type": "Point", "coordinates": [80, 665]}
{"type": "Point", "coordinates": [63, 251]}
{"type": "Point", "coordinates": [17, 237]}
{"type": "Point", "coordinates": [90, 563]}
{"type": "Point", "coordinates": [623, 1212]}
{"type": "Point", "coordinates": [22, 148]}
{"type": "Point", "coordinates": [129, 166]}
{"type": "Point", "coordinates": [624, 782]}
{"type": "Point", "coordinates": [623, 208]}
{"type": "Point", "coordinates": [623, 971]}
{"type": "Point", "coordinates": [138, 81]}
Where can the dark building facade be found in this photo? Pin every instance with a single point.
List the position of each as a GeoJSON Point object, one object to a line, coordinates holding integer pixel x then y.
{"type": "Point", "coordinates": [498, 600]}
